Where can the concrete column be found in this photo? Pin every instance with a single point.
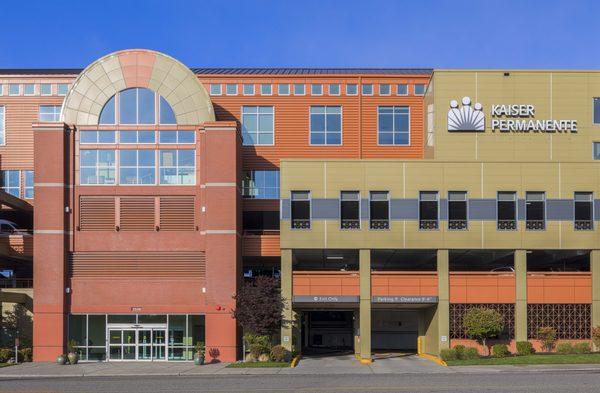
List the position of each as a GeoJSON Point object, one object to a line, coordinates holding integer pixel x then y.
{"type": "Point", "coordinates": [595, 267]}
{"type": "Point", "coordinates": [365, 305]}
{"type": "Point", "coordinates": [521, 295]}
{"type": "Point", "coordinates": [443, 311]}
{"type": "Point", "coordinates": [286, 294]}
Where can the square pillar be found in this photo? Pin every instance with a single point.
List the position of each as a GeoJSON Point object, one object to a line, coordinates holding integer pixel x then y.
{"type": "Point", "coordinates": [365, 305]}
{"type": "Point", "coordinates": [595, 267]}
{"type": "Point", "coordinates": [287, 294]}
{"type": "Point", "coordinates": [521, 295]}
{"type": "Point", "coordinates": [443, 309]}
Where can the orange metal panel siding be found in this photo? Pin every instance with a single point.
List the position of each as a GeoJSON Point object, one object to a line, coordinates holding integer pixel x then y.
{"type": "Point", "coordinates": [261, 245]}
{"type": "Point", "coordinates": [404, 284]}
{"type": "Point", "coordinates": [482, 287]}
{"type": "Point", "coordinates": [326, 284]}
{"type": "Point", "coordinates": [559, 288]}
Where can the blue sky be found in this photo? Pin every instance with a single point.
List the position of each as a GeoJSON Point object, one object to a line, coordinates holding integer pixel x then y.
{"type": "Point", "coordinates": [307, 33]}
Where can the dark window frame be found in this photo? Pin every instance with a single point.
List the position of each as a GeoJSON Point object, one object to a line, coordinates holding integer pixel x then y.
{"type": "Point", "coordinates": [349, 223]}
{"type": "Point", "coordinates": [380, 223]}
{"type": "Point", "coordinates": [300, 223]}
{"type": "Point", "coordinates": [535, 224]}
{"type": "Point", "coordinates": [429, 224]}
{"type": "Point", "coordinates": [507, 224]}
{"type": "Point", "coordinates": [583, 224]}
{"type": "Point", "coordinates": [458, 224]}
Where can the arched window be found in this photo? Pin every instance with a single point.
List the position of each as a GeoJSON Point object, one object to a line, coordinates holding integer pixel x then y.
{"type": "Point", "coordinates": [137, 106]}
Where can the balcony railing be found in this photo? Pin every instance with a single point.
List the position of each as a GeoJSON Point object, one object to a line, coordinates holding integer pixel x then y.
{"type": "Point", "coordinates": [428, 225]}
{"type": "Point", "coordinates": [16, 283]}
{"type": "Point", "coordinates": [507, 225]}
{"type": "Point", "coordinates": [350, 224]}
{"type": "Point", "coordinates": [535, 225]}
{"type": "Point", "coordinates": [380, 224]}
{"type": "Point", "coordinates": [300, 224]}
{"type": "Point", "coordinates": [457, 225]}
{"type": "Point", "coordinates": [584, 225]}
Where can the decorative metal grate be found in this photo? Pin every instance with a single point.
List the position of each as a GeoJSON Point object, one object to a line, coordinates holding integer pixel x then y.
{"type": "Point", "coordinates": [300, 224]}
{"type": "Point", "coordinates": [458, 310]}
{"type": "Point", "coordinates": [507, 225]}
{"type": "Point", "coordinates": [428, 225]}
{"type": "Point", "coordinates": [457, 225]}
{"type": "Point", "coordinates": [584, 225]}
{"type": "Point", "coordinates": [380, 224]}
{"type": "Point", "coordinates": [535, 225]}
{"type": "Point", "coordinates": [350, 224]}
{"type": "Point", "coordinates": [571, 321]}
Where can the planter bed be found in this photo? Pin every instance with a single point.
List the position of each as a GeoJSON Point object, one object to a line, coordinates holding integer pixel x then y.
{"type": "Point", "coordinates": [588, 358]}
{"type": "Point", "coordinates": [259, 365]}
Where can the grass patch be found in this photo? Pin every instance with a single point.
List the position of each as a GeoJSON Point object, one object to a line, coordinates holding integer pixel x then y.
{"type": "Point", "coordinates": [588, 358]}
{"type": "Point", "coordinates": [259, 365]}
{"type": "Point", "coordinates": [5, 364]}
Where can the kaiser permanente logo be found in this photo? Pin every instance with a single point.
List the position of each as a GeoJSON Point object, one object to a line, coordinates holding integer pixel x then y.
{"type": "Point", "coordinates": [505, 118]}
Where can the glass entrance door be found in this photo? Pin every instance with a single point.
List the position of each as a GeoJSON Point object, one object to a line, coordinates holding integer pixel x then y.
{"type": "Point", "coordinates": [137, 344]}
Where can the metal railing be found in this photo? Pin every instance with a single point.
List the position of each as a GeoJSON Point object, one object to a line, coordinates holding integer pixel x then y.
{"type": "Point", "coordinates": [300, 224]}
{"type": "Point", "coordinates": [16, 283]}
{"type": "Point", "coordinates": [535, 225]}
{"type": "Point", "coordinates": [584, 225]}
{"type": "Point", "coordinates": [350, 224]}
{"type": "Point", "coordinates": [507, 225]}
{"type": "Point", "coordinates": [457, 225]}
{"type": "Point", "coordinates": [379, 224]}
{"type": "Point", "coordinates": [429, 225]}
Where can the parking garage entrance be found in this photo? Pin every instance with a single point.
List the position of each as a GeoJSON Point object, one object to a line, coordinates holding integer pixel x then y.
{"type": "Point", "coordinates": [327, 331]}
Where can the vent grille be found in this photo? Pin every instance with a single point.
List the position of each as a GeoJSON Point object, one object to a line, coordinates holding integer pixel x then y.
{"type": "Point", "coordinates": [177, 213]}
{"type": "Point", "coordinates": [96, 213]}
{"type": "Point", "coordinates": [137, 214]}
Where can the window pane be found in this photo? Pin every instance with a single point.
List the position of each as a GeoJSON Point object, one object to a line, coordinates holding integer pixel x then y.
{"type": "Point", "coordinates": [168, 176]}
{"type": "Point", "coordinates": [186, 137]}
{"type": "Point", "coordinates": [88, 176]}
{"type": "Point", "coordinates": [146, 157]}
{"type": "Point", "coordinates": [419, 89]}
{"type": "Point", "coordinates": [367, 89]}
{"type": "Point", "coordinates": [400, 138]}
{"type": "Point", "coordinates": [168, 157]}
{"type": "Point", "coordinates": [384, 89]}
{"type": "Point", "coordinates": [386, 122]}
{"type": "Point", "coordinates": [186, 175]}
{"type": "Point", "coordinates": [317, 138]}
{"type": "Point", "coordinates": [316, 89]}
{"type": "Point", "coordinates": [107, 116]}
{"type": "Point", "coordinates": [596, 150]}
{"type": "Point", "coordinates": [88, 157]}
{"type": "Point", "coordinates": [62, 89]}
{"type": "Point", "coordinates": [334, 138]}
{"type": "Point", "coordinates": [596, 110]}
{"type": "Point", "coordinates": [128, 157]}
{"type": "Point", "coordinates": [401, 122]}
{"type": "Point", "coordinates": [127, 176]}
{"type": "Point", "coordinates": [146, 137]}
{"type": "Point", "coordinates": [283, 89]}
{"type": "Point", "coordinates": [106, 157]}
{"type": "Point", "coordinates": [29, 89]}
{"type": "Point", "coordinates": [334, 122]}
{"type": "Point", "coordinates": [215, 89]}
{"type": "Point", "coordinates": [248, 89]}
{"type": "Point", "coordinates": [351, 89]}
{"type": "Point", "coordinates": [128, 106]}
{"type": "Point", "coordinates": [299, 89]}
{"type": "Point", "coordinates": [186, 158]}
{"type": "Point", "coordinates": [265, 139]}
{"type": "Point", "coordinates": [334, 89]}
{"type": "Point", "coordinates": [146, 176]}
{"type": "Point", "coordinates": [146, 107]}
{"type": "Point", "coordinates": [386, 138]}
{"type": "Point", "coordinates": [88, 137]}
{"type": "Point", "coordinates": [46, 89]}
{"type": "Point", "coordinates": [265, 89]}
{"type": "Point", "coordinates": [265, 123]}
{"type": "Point", "coordinates": [128, 136]}
{"type": "Point", "coordinates": [14, 89]}
{"type": "Point", "coordinates": [231, 89]}
{"type": "Point", "coordinates": [106, 137]}
{"type": "Point", "coordinates": [317, 123]}
{"type": "Point", "coordinates": [167, 116]}
{"type": "Point", "coordinates": [402, 89]}
{"type": "Point", "coordinates": [167, 137]}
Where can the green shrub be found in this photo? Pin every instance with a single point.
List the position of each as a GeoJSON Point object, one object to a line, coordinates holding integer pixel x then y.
{"type": "Point", "coordinates": [482, 324]}
{"type": "Point", "coordinates": [280, 354]}
{"type": "Point", "coordinates": [547, 336]}
{"type": "Point", "coordinates": [6, 354]}
{"type": "Point", "coordinates": [256, 350]}
{"type": "Point", "coordinates": [564, 348]}
{"type": "Point", "coordinates": [582, 348]}
{"type": "Point", "coordinates": [257, 344]}
{"type": "Point", "coordinates": [448, 354]}
{"type": "Point", "coordinates": [596, 336]}
{"type": "Point", "coordinates": [460, 351]}
{"type": "Point", "coordinates": [27, 354]}
{"type": "Point", "coordinates": [471, 353]}
{"type": "Point", "coordinates": [524, 348]}
{"type": "Point", "coordinates": [500, 351]}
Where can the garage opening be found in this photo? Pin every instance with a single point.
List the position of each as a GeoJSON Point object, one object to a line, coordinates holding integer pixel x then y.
{"type": "Point", "coordinates": [394, 330]}
{"type": "Point", "coordinates": [327, 331]}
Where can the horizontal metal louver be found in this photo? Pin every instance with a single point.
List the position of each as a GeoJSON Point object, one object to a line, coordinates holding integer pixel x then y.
{"type": "Point", "coordinates": [96, 213]}
{"type": "Point", "coordinates": [177, 213]}
{"type": "Point", "coordinates": [142, 265]}
{"type": "Point", "coordinates": [136, 214]}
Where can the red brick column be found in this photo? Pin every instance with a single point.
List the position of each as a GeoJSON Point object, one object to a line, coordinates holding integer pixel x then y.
{"type": "Point", "coordinates": [221, 226]}
{"type": "Point", "coordinates": [50, 240]}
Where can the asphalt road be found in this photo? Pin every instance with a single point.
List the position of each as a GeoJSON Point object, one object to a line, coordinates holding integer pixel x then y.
{"type": "Point", "coordinates": [547, 382]}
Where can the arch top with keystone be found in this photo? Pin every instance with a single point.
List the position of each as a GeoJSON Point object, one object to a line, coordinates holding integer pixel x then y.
{"type": "Point", "coordinates": [125, 69]}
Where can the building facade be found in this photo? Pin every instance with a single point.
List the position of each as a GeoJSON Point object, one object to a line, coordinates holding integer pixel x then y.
{"type": "Point", "coordinates": [388, 202]}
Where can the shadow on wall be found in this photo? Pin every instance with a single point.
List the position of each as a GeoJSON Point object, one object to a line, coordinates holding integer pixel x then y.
{"type": "Point", "coordinates": [17, 322]}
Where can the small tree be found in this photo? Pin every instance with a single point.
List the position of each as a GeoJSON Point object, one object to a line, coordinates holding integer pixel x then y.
{"type": "Point", "coordinates": [259, 306]}
{"type": "Point", "coordinates": [596, 337]}
{"type": "Point", "coordinates": [17, 323]}
{"type": "Point", "coordinates": [483, 324]}
{"type": "Point", "coordinates": [547, 336]}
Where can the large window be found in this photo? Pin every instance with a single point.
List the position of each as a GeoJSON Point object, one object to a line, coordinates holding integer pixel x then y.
{"type": "Point", "coordinates": [507, 210]}
{"type": "Point", "coordinates": [181, 137]}
{"type": "Point", "coordinates": [2, 126]}
{"type": "Point", "coordinates": [49, 113]}
{"type": "Point", "coordinates": [428, 210]}
{"type": "Point", "coordinates": [11, 182]}
{"type": "Point", "coordinates": [137, 167]}
{"type": "Point", "coordinates": [535, 211]}
{"type": "Point", "coordinates": [350, 210]}
{"type": "Point", "coordinates": [597, 110]}
{"type": "Point", "coordinates": [457, 210]}
{"type": "Point", "coordinates": [325, 125]}
{"type": "Point", "coordinates": [257, 125]}
{"type": "Point", "coordinates": [28, 189]}
{"type": "Point", "coordinates": [137, 106]}
{"type": "Point", "coordinates": [584, 211]}
{"type": "Point", "coordinates": [261, 184]}
{"type": "Point", "coordinates": [97, 167]}
{"type": "Point", "coordinates": [379, 210]}
{"type": "Point", "coordinates": [177, 167]}
{"type": "Point", "coordinates": [97, 137]}
{"type": "Point", "coordinates": [393, 125]}
{"type": "Point", "coordinates": [136, 137]}
{"type": "Point", "coordinates": [300, 210]}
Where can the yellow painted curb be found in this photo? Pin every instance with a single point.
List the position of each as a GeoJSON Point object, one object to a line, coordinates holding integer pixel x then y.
{"type": "Point", "coordinates": [434, 359]}
{"type": "Point", "coordinates": [366, 361]}
{"type": "Point", "coordinates": [295, 361]}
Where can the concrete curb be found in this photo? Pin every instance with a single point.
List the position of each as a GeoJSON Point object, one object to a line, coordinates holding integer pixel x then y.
{"type": "Point", "coordinates": [295, 361]}
{"type": "Point", "coordinates": [433, 359]}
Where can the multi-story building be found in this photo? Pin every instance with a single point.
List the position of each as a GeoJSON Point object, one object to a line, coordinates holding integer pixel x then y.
{"type": "Point", "coordinates": [388, 201]}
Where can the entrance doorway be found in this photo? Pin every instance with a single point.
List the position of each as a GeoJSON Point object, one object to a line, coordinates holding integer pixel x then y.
{"type": "Point", "coordinates": [142, 342]}
{"type": "Point", "coordinates": [394, 330]}
{"type": "Point", "coordinates": [327, 331]}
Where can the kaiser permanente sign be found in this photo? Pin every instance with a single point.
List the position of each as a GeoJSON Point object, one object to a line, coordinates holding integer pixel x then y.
{"type": "Point", "coordinates": [520, 118]}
